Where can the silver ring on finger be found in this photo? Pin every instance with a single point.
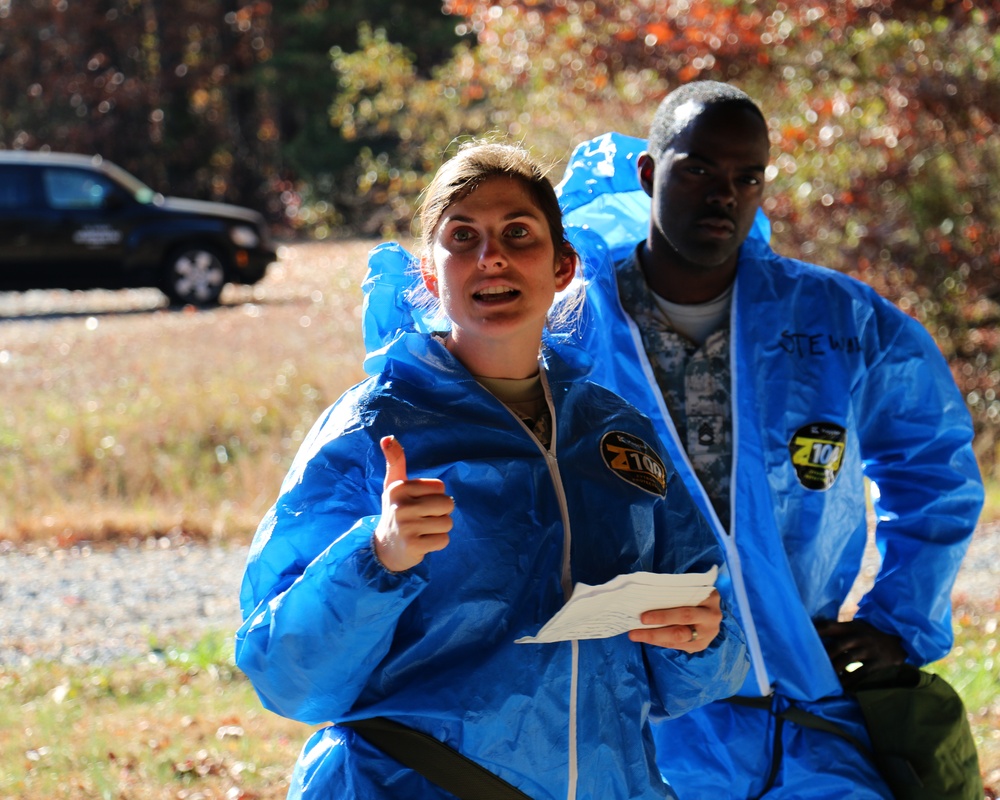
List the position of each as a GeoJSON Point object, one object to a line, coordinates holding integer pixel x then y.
{"type": "Point", "coordinates": [694, 633]}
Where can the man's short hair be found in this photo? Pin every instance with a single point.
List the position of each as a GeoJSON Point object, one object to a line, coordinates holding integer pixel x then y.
{"type": "Point", "coordinates": [678, 108]}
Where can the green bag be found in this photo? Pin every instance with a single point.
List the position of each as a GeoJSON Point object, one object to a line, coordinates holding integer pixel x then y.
{"type": "Point", "coordinates": [921, 740]}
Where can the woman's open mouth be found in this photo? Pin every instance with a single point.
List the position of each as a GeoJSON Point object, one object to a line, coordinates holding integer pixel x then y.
{"type": "Point", "coordinates": [495, 294]}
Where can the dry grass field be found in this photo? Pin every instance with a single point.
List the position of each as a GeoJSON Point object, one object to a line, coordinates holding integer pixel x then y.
{"type": "Point", "coordinates": [121, 420]}
{"type": "Point", "coordinates": [121, 417]}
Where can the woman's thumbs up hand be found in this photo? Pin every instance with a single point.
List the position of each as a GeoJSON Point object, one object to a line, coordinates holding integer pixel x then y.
{"type": "Point", "coordinates": [416, 514]}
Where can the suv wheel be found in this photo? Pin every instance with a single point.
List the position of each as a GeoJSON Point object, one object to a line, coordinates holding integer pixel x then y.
{"type": "Point", "coordinates": [194, 276]}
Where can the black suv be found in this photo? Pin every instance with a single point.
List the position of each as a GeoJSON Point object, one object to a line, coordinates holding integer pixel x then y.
{"type": "Point", "coordinates": [79, 222]}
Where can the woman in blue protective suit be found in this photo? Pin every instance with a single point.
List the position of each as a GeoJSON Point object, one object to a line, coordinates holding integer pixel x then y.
{"type": "Point", "coordinates": [393, 583]}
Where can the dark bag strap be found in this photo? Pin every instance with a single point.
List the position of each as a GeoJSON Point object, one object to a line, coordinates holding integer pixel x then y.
{"type": "Point", "coordinates": [433, 759]}
{"type": "Point", "coordinates": [805, 719]}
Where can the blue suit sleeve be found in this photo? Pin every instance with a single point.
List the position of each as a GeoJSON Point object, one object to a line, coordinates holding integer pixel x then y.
{"type": "Point", "coordinates": [916, 445]}
{"type": "Point", "coordinates": [319, 610]}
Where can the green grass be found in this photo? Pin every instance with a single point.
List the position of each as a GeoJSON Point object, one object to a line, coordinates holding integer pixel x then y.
{"type": "Point", "coordinates": [991, 506]}
{"type": "Point", "coordinates": [184, 724]}
{"type": "Point", "coordinates": [973, 668]}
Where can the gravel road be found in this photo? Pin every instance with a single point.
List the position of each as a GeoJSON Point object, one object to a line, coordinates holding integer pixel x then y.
{"type": "Point", "coordinates": [94, 607]}
{"type": "Point", "coordinates": [85, 606]}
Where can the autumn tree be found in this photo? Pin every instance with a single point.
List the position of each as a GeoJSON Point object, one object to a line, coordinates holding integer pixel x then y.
{"type": "Point", "coordinates": [221, 99]}
{"type": "Point", "coordinates": [303, 82]}
{"type": "Point", "coordinates": [884, 120]}
{"type": "Point", "coordinates": [163, 89]}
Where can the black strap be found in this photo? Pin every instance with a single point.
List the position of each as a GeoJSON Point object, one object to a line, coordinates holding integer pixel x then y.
{"type": "Point", "coordinates": [809, 720]}
{"type": "Point", "coordinates": [801, 717]}
{"type": "Point", "coordinates": [805, 719]}
{"type": "Point", "coordinates": [433, 759]}
{"type": "Point", "coordinates": [777, 747]}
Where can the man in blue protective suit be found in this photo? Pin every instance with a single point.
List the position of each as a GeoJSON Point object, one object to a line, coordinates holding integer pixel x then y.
{"type": "Point", "coordinates": [778, 387]}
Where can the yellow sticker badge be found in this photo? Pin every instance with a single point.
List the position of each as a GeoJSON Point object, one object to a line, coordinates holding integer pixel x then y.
{"type": "Point", "coordinates": [817, 453]}
{"type": "Point", "coordinates": [632, 460]}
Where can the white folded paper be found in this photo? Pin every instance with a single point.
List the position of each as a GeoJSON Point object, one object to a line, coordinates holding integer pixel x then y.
{"type": "Point", "coordinates": [596, 612]}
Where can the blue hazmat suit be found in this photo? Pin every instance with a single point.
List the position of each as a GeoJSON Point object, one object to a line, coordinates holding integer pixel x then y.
{"type": "Point", "coordinates": [330, 635]}
{"type": "Point", "coordinates": [832, 384]}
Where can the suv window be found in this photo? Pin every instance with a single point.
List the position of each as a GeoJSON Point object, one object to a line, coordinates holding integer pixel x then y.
{"type": "Point", "coordinates": [15, 188]}
{"type": "Point", "coordinates": [73, 189]}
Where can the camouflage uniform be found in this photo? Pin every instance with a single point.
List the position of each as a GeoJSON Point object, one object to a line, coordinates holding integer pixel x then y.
{"type": "Point", "coordinates": [694, 381]}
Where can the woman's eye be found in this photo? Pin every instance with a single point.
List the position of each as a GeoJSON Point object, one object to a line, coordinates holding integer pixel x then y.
{"type": "Point", "coordinates": [462, 235]}
{"type": "Point", "coordinates": [518, 231]}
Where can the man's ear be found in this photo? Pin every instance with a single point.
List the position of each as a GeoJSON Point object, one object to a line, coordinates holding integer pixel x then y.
{"type": "Point", "coordinates": [565, 267]}
{"type": "Point", "coordinates": [646, 167]}
{"type": "Point", "coordinates": [429, 277]}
